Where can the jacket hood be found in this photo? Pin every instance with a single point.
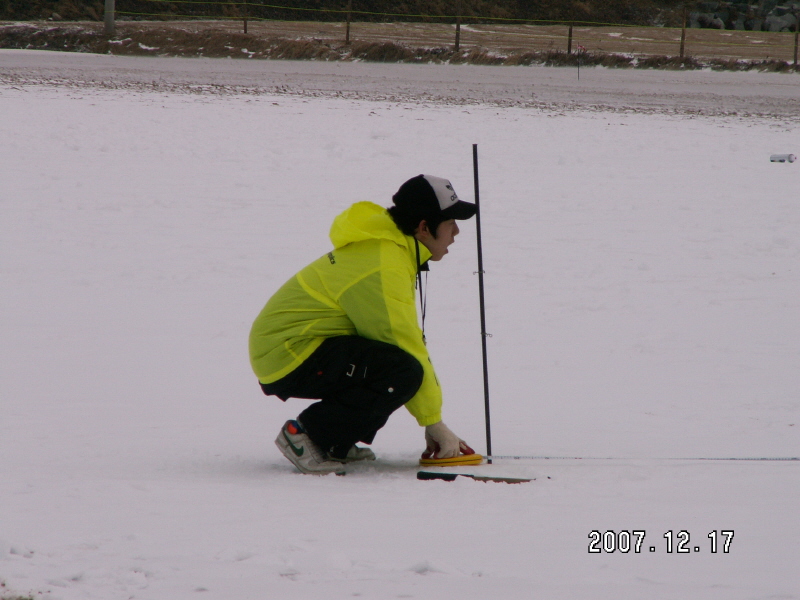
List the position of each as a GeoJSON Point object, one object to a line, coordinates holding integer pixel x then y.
{"type": "Point", "coordinates": [368, 221]}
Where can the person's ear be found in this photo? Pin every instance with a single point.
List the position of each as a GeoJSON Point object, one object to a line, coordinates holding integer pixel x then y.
{"type": "Point", "coordinates": [422, 228]}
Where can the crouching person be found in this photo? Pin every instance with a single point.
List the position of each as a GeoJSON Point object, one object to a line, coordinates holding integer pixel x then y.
{"type": "Point", "coordinates": [344, 331]}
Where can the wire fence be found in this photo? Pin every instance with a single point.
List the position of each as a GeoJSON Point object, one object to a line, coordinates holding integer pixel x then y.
{"type": "Point", "coordinates": [456, 28]}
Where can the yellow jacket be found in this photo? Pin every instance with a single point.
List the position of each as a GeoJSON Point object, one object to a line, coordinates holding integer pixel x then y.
{"type": "Point", "coordinates": [365, 287]}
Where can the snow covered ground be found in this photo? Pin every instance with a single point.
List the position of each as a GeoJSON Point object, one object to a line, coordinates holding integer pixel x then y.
{"type": "Point", "coordinates": [643, 295]}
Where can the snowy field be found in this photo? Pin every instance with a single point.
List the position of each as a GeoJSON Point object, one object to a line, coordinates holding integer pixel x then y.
{"type": "Point", "coordinates": [643, 292]}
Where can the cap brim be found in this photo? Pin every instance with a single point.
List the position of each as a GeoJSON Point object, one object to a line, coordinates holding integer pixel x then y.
{"type": "Point", "coordinates": [460, 210]}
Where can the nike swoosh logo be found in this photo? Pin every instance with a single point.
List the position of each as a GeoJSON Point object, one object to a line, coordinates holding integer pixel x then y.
{"type": "Point", "coordinates": [297, 451]}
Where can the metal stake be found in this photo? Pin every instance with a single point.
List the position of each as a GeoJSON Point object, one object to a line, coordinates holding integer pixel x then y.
{"type": "Point", "coordinates": [484, 335]}
{"type": "Point", "coordinates": [458, 26]}
{"type": "Point", "coordinates": [349, 16]}
{"type": "Point", "coordinates": [569, 40]}
{"type": "Point", "coordinates": [110, 28]}
{"type": "Point", "coordinates": [683, 34]}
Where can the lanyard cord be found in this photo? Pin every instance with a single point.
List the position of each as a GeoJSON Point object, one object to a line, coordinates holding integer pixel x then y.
{"type": "Point", "coordinates": [423, 295]}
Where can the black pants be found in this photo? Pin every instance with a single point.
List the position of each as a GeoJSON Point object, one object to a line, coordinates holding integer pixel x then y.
{"type": "Point", "coordinates": [359, 383]}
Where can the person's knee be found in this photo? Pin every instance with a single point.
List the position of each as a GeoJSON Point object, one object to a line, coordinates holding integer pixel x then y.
{"type": "Point", "coordinates": [417, 374]}
{"type": "Point", "coordinates": [407, 375]}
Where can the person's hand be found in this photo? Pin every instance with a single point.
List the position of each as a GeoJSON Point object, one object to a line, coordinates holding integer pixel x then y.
{"type": "Point", "coordinates": [442, 443]}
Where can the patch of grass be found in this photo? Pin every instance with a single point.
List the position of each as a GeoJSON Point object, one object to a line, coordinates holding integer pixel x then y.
{"type": "Point", "coordinates": [381, 52]}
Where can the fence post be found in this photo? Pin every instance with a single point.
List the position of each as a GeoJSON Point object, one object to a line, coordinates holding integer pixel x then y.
{"type": "Point", "coordinates": [347, 31]}
{"type": "Point", "coordinates": [110, 26]}
{"type": "Point", "coordinates": [569, 40]}
{"type": "Point", "coordinates": [458, 25]}
{"type": "Point", "coordinates": [245, 16]}
{"type": "Point", "coordinates": [683, 32]}
{"type": "Point", "coordinates": [796, 35]}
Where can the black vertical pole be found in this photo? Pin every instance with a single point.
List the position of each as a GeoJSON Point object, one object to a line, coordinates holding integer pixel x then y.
{"type": "Point", "coordinates": [482, 303]}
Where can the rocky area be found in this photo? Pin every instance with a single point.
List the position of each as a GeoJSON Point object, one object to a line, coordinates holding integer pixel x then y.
{"type": "Point", "coordinates": [766, 15]}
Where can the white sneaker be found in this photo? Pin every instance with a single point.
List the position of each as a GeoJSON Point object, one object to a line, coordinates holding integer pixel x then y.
{"type": "Point", "coordinates": [354, 454]}
{"type": "Point", "coordinates": [304, 454]}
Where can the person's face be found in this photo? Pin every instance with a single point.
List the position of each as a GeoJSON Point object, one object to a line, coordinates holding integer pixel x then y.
{"type": "Point", "coordinates": [445, 236]}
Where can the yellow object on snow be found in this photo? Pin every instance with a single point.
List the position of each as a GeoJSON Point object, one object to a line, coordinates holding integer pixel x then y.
{"type": "Point", "coordinates": [461, 459]}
